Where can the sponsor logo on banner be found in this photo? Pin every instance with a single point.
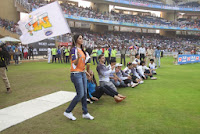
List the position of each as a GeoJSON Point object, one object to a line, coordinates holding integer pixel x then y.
{"type": "Point", "coordinates": [193, 58]}
{"type": "Point", "coordinates": [38, 22]}
{"type": "Point", "coordinates": [179, 59]}
{"type": "Point", "coordinates": [184, 59]}
{"type": "Point", "coordinates": [188, 58]}
{"type": "Point", "coordinates": [48, 33]}
{"type": "Point", "coordinates": [197, 58]}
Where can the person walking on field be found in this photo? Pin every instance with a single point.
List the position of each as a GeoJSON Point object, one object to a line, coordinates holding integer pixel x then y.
{"type": "Point", "coordinates": [78, 77]}
{"type": "Point", "coordinates": [3, 55]}
{"type": "Point", "coordinates": [49, 54]}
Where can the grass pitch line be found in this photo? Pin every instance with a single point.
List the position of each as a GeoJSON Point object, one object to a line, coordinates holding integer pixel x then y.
{"type": "Point", "coordinates": [23, 111]}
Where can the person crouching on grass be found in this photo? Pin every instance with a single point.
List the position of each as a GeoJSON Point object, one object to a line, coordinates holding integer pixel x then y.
{"type": "Point", "coordinates": [124, 77]}
{"type": "Point", "coordinates": [78, 77]}
{"type": "Point", "coordinates": [95, 92]}
{"type": "Point", "coordinates": [146, 71]}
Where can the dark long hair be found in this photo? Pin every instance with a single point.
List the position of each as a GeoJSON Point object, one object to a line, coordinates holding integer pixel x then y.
{"type": "Point", "coordinates": [74, 41]}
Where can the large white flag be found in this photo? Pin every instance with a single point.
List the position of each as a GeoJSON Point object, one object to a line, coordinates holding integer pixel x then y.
{"type": "Point", "coordinates": [45, 22]}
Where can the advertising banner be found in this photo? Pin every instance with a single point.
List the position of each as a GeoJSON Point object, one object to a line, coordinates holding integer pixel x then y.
{"type": "Point", "coordinates": [186, 59]}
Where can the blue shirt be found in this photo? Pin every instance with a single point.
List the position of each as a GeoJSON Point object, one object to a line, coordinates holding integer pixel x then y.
{"type": "Point", "coordinates": [91, 88]}
{"type": "Point", "coordinates": [58, 51]}
{"type": "Point", "coordinates": [109, 49]}
{"type": "Point", "coordinates": [157, 53]}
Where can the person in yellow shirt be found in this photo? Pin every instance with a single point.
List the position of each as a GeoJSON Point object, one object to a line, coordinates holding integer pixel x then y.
{"type": "Point", "coordinates": [67, 55]}
{"type": "Point", "coordinates": [54, 53]}
{"type": "Point", "coordinates": [94, 55]}
{"type": "Point", "coordinates": [106, 55]}
{"type": "Point", "coordinates": [113, 53]}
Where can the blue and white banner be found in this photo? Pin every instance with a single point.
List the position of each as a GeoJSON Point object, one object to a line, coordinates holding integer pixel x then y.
{"type": "Point", "coordinates": [186, 59]}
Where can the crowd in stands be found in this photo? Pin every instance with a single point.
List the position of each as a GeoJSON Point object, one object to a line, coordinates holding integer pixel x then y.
{"type": "Point", "coordinates": [10, 26]}
{"type": "Point", "coordinates": [88, 12]}
{"type": "Point", "coordinates": [176, 3]}
{"type": "Point", "coordinates": [114, 16]}
{"type": "Point", "coordinates": [180, 43]}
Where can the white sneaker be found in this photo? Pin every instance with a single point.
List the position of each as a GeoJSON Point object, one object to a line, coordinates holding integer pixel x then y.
{"type": "Point", "coordinates": [141, 82]}
{"type": "Point", "coordinates": [153, 78]}
{"type": "Point", "coordinates": [69, 116]}
{"type": "Point", "coordinates": [88, 116]}
{"type": "Point", "coordinates": [134, 85]}
{"type": "Point", "coordinates": [128, 84]}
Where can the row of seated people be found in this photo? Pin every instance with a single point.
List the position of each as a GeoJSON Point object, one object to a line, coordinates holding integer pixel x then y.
{"type": "Point", "coordinates": [112, 76]}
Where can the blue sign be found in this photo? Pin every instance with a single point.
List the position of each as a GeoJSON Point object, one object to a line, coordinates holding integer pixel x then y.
{"type": "Point", "coordinates": [128, 24]}
{"type": "Point", "coordinates": [186, 59]}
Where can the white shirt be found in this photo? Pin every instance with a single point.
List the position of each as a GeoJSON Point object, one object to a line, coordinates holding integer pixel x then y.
{"type": "Point", "coordinates": [145, 68]}
{"type": "Point", "coordinates": [49, 51]}
{"type": "Point", "coordinates": [137, 60]}
{"type": "Point", "coordinates": [152, 66]}
{"type": "Point", "coordinates": [25, 50]}
{"type": "Point", "coordinates": [142, 51]}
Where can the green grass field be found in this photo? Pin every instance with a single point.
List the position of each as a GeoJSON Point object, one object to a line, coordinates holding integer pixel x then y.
{"type": "Point", "coordinates": [169, 105]}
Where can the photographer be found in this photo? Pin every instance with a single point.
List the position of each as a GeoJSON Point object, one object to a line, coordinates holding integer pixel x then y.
{"type": "Point", "coordinates": [3, 55]}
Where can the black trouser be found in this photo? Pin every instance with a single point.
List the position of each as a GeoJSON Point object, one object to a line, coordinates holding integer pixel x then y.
{"type": "Point", "coordinates": [59, 58]}
{"type": "Point", "coordinates": [107, 60]}
{"type": "Point", "coordinates": [148, 72]}
{"type": "Point", "coordinates": [29, 55]}
{"type": "Point", "coordinates": [53, 58]}
{"type": "Point", "coordinates": [113, 58]}
{"type": "Point", "coordinates": [142, 56]}
{"type": "Point", "coordinates": [127, 81]}
{"type": "Point", "coordinates": [67, 59]}
{"type": "Point", "coordinates": [134, 78]}
{"type": "Point", "coordinates": [104, 89]}
{"type": "Point", "coordinates": [94, 58]}
{"type": "Point", "coordinates": [16, 58]}
{"type": "Point", "coordinates": [123, 56]}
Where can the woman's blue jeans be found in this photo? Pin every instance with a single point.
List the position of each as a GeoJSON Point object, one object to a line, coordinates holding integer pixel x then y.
{"type": "Point", "coordinates": [80, 83]}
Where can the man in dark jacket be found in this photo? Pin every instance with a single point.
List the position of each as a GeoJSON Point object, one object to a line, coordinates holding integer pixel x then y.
{"type": "Point", "coordinates": [3, 55]}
